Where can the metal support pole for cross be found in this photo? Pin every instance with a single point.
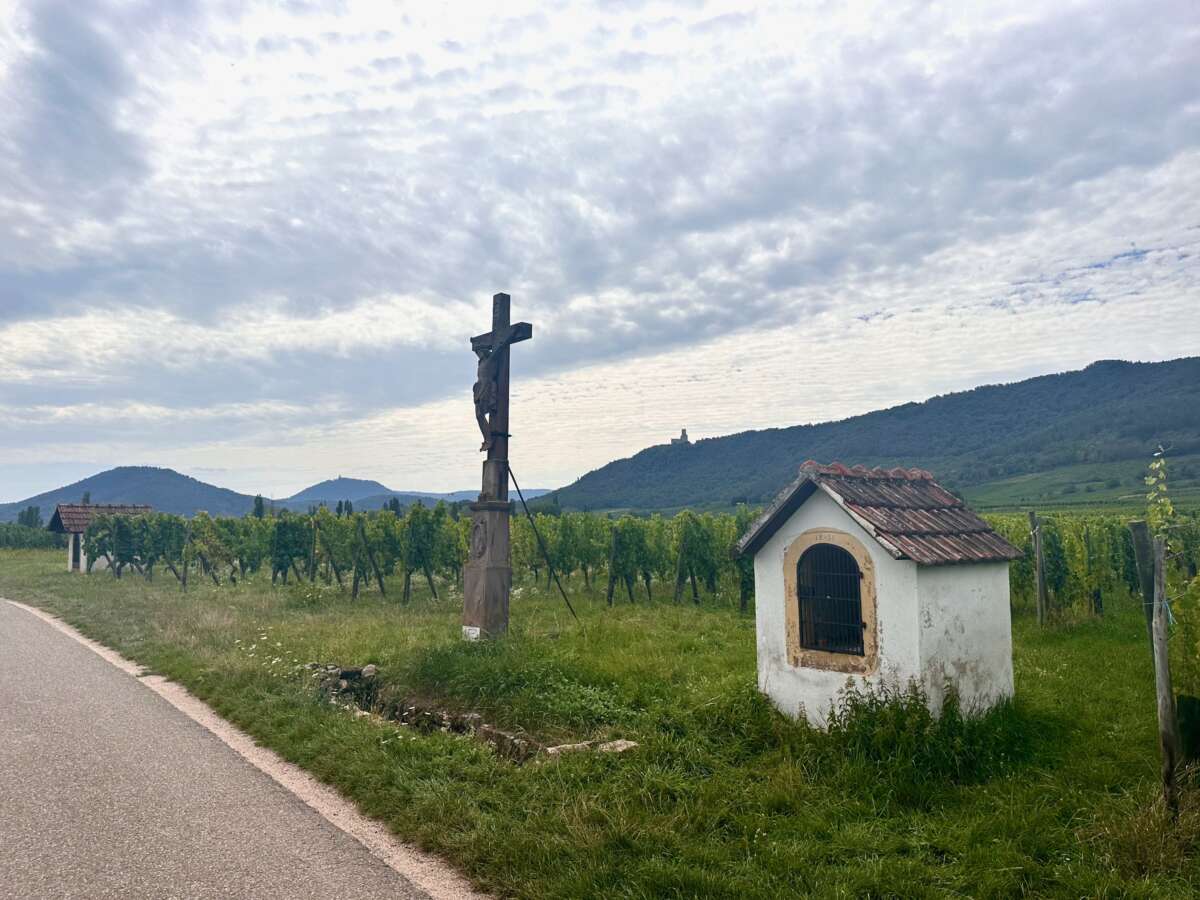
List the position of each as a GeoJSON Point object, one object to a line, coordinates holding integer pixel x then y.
{"type": "Point", "coordinates": [541, 543]}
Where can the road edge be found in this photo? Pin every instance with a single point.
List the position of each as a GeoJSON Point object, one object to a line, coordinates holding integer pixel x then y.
{"type": "Point", "coordinates": [426, 871]}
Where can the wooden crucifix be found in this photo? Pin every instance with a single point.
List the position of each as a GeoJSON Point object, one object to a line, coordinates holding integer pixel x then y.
{"type": "Point", "coordinates": [487, 578]}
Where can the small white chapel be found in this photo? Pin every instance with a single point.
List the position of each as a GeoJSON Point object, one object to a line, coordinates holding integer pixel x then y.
{"type": "Point", "coordinates": [73, 519]}
{"type": "Point", "coordinates": [865, 575]}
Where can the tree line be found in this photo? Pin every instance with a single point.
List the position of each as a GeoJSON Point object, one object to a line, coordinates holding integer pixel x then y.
{"type": "Point", "coordinates": [22, 536]}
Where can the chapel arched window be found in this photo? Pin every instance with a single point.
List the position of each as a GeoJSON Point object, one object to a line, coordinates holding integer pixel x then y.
{"type": "Point", "coordinates": [829, 585]}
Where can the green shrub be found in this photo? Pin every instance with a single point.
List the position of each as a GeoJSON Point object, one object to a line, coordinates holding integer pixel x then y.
{"type": "Point", "coordinates": [891, 730]}
{"type": "Point", "coordinates": [23, 537]}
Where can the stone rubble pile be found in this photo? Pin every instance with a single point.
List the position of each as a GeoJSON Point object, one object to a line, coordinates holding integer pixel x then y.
{"type": "Point", "coordinates": [358, 688]}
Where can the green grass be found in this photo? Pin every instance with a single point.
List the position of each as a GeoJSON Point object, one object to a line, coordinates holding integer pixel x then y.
{"type": "Point", "coordinates": [1055, 795]}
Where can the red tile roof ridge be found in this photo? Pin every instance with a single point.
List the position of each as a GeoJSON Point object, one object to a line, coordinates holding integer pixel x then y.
{"type": "Point", "coordinates": [75, 517]}
{"type": "Point", "coordinates": [840, 470]}
{"type": "Point", "coordinates": [103, 506]}
{"type": "Point", "coordinates": [905, 510]}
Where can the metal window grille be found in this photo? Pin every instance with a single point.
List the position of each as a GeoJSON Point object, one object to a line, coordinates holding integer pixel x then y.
{"type": "Point", "coordinates": [829, 584]}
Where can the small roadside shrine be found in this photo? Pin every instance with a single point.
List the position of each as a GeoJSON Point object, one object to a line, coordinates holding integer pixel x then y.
{"type": "Point", "coordinates": [73, 519]}
{"type": "Point", "coordinates": [870, 575]}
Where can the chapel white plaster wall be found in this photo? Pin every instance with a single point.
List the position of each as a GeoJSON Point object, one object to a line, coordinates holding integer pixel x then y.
{"type": "Point", "coordinates": [966, 632]}
{"type": "Point", "coordinates": [796, 689]}
{"type": "Point", "coordinates": [100, 565]}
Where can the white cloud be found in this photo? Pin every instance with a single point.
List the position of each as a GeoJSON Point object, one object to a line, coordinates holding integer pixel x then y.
{"type": "Point", "coordinates": [39, 350]}
{"type": "Point", "coordinates": [211, 209]}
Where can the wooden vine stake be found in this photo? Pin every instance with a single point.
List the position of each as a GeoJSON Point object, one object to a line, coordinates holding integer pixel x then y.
{"type": "Point", "coordinates": [1151, 553]}
{"type": "Point", "coordinates": [1168, 722]}
{"type": "Point", "coordinates": [330, 562]}
{"type": "Point", "coordinates": [680, 574]}
{"type": "Point", "coordinates": [312, 556]}
{"type": "Point", "coordinates": [362, 536]}
{"type": "Point", "coordinates": [1143, 554]}
{"type": "Point", "coordinates": [685, 572]}
{"type": "Point", "coordinates": [1035, 531]}
{"type": "Point", "coordinates": [614, 554]}
{"type": "Point", "coordinates": [612, 566]}
{"type": "Point", "coordinates": [187, 540]}
{"type": "Point", "coordinates": [359, 568]}
{"type": "Point", "coordinates": [337, 572]}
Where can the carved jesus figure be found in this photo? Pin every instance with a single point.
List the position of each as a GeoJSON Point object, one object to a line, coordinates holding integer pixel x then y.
{"type": "Point", "coordinates": [486, 391]}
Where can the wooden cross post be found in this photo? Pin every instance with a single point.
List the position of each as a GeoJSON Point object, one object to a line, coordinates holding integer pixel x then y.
{"type": "Point", "coordinates": [487, 578]}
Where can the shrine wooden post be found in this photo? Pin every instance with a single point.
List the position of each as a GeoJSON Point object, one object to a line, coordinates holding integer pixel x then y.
{"type": "Point", "coordinates": [487, 577]}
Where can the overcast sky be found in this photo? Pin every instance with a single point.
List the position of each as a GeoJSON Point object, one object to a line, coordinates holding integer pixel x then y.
{"type": "Point", "coordinates": [249, 241]}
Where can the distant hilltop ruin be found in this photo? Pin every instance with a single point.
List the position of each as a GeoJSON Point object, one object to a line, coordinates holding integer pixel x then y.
{"type": "Point", "coordinates": [682, 439]}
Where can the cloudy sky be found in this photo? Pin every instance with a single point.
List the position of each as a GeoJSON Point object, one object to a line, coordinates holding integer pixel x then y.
{"type": "Point", "coordinates": [250, 240]}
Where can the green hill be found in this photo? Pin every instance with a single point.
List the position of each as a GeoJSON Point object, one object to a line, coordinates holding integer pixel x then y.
{"type": "Point", "coordinates": [169, 491]}
{"type": "Point", "coordinates": [335, 489]}
{"type": "Point", "coordinates": [164, 489]}
{"type": "Point", "coordinates": [1095, 427]}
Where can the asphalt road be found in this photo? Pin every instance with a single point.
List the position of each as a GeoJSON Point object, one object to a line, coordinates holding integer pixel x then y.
{"type": "Point", "coordinates": [106, 790]}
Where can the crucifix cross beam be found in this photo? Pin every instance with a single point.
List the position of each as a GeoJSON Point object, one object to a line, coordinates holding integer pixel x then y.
{"type": "Point", "coordinates": [521, 331]}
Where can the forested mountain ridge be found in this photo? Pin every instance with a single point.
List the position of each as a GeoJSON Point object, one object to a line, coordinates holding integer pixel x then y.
{"type": "Point", "coordinates": [1111, 410]}
{"type": "Point", "coordinates": [1078, 425]}
{"type": "Point", "coordinates": [170, 491]}
{"type": "Point", "coordinates": [340, 488]}
{"type": "Point", "coordinates": [164, 489]}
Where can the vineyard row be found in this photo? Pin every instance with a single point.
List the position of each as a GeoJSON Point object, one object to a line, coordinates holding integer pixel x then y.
{"type": "Point", "coordinates": [1087, 556]}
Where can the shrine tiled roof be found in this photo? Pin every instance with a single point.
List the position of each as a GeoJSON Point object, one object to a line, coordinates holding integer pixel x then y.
{"type": "Point", "coordinates": [73, 518]}
{"type": "Point", "coordinates": [908, 513]}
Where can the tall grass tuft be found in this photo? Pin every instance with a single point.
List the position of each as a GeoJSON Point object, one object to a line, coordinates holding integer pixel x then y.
{"type": "Point", "coordinates": [522, 683]}
{"type": "Point", "coordinates": [1146, 840]}
{"type": "Point", "coordinates": [890, 735]}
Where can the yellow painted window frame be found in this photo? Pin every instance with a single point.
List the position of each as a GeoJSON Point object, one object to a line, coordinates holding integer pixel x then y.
{"type": "Point", "coordinates": [801, 657]}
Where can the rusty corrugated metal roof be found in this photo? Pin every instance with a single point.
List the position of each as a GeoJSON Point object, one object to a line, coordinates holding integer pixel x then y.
{"type": "Point", "coordinates": [72, 518]}
{"type": "Point", "coordinates": [905, 510]}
